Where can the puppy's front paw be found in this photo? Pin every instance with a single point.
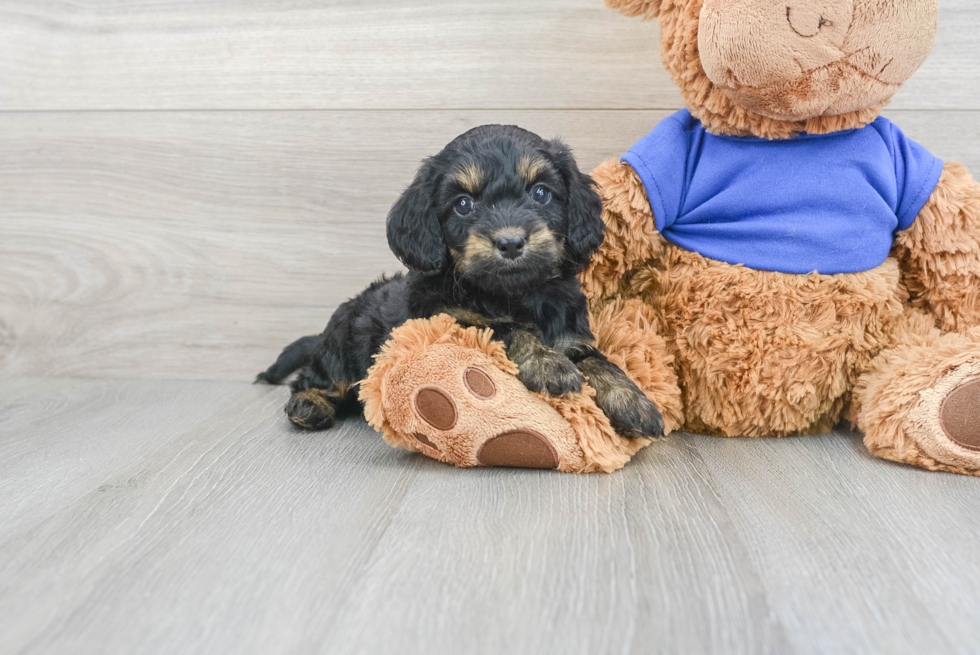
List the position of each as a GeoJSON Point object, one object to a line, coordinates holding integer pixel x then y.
{"type": "Point", "coordinates": [550, 372]}
{"type": "Point", "coordinates": [631, 413]}
{"type": "Point", "coordinates": [311, 409]}
{"type": "Point", "coordinates": [637, 418]}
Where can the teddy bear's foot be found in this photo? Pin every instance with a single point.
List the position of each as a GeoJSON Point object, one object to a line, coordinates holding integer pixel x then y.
{"type": "Point", "coordinates": [945, 423]}
{"type": "Point", "coordinates": [473, 420]}
{"type": "Point", "coordinates": [452, 394]}
{"type": "Point", "coordinates": [960, 415]}
{"type": "Point", "coordinates": [921, 404]}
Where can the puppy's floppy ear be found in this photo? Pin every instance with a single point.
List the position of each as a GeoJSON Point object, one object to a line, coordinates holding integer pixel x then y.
{"type": "Point", "coordinates": [645, 9]}
{"type": "Point", "coordinates": [414, 233]}
{"type": "Point", "coordinates": [585, 226]}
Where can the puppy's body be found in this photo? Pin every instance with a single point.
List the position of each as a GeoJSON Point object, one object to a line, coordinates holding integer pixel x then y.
{"type": "Point", "coordinates": [494, 231]}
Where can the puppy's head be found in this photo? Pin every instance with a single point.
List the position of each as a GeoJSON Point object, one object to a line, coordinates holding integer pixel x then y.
{"type": "Point", "coordinates": [503, 207]}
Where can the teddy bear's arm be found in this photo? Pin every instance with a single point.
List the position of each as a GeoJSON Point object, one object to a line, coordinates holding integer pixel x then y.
{"type": "Point", "coordinates": [631, 237]}
{"type": "Point", "coordinates": [940, 253]}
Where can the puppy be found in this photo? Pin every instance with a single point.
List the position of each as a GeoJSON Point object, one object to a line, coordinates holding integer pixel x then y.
{"type": "Point", "coordinates": [494, 231]}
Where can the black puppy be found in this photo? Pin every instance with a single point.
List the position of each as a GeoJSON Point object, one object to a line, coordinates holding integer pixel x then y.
{"type": "Point", "coordinates": [494, 231]}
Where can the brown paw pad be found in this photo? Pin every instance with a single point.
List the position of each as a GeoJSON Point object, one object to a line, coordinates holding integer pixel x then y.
{"type": "Point", "coordinates": [960, 415]}
{"type": "Point", "coordinates": [436, 407]}
{"type": "Point", "coordinates": [422, 439]}
{"type": "Point", "coordinates": [519, 448]}
{"type": "Point", "coordinates": [479, 384]}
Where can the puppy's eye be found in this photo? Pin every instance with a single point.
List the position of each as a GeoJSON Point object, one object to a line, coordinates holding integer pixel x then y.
{"type": "Point", "coordinates": [541, 195]}
{"type": "Point", "coordinates": [464, 206]}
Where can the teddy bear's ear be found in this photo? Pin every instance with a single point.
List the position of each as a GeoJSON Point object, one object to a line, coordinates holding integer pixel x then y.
{"type": "Point", "coordinates": [645, 9]}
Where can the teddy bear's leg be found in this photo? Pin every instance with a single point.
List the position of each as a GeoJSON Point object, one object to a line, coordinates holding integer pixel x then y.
{"type": "Point", "coordinates": [452, 394]}
{"type": "Point", "coordinates": [919, 402]}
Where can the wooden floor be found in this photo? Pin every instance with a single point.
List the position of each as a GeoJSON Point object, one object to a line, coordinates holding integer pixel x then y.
{"type": "Point", "coordinates": [186, 186]}
{"type": "Point", "coordinates": [188, 517]}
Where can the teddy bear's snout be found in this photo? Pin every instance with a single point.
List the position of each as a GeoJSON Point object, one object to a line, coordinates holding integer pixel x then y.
{"type": "Point", "coordinates": [796, 59]}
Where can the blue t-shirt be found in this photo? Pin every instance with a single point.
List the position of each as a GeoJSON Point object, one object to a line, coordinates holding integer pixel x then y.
{"type": "Point", "coordinates": [825, 203]}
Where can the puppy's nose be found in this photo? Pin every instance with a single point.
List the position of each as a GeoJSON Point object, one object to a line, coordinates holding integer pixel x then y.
{"type": "Point", "coordinates": [510, 247]}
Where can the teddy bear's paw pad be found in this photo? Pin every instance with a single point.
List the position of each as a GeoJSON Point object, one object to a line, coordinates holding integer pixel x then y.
{"type": "Point", "coordinates": [519, 448]}
{"type": "Point", "coordinates": [479, 384]}
{"type": "Point", "coordinates": [437, 408]}
{"type": "Point", "coordinates": [960, 415]}
{"type": "Point", "coordinates": [424, 440]}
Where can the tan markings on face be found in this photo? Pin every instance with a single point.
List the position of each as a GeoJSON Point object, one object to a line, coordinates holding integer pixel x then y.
{"type": "Point", "coordinates": [477, 247]}
{"type": "Point", "coordinates": [470, 177]}
{"type": "Point", "coordinates": [529, 167]}
{"type": "Point", "coordinates": [543, 241]}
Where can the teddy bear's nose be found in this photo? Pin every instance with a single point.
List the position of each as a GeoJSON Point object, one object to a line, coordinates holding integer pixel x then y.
{"type": "Point", "coordinates": [807, 20]}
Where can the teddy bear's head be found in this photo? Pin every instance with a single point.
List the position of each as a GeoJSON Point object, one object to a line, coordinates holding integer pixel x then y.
{"type": "Point", "coordinates": [775, 68]}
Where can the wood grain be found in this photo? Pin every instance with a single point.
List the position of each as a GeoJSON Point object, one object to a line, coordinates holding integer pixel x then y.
{"type": "Point", "coordinates": [376, 54]}
{"type": "Point", "coordinates": [339, 54]}
{"type": "Point", "coordinates": [197, 244]}
{"type": "Point", "coordinates": [857, 554]}
{"type": "Point", "coordinates": [225, 530]}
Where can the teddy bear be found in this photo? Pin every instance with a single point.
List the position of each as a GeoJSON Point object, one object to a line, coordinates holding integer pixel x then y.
{"type": "Point", "coordinates": [778, 257]}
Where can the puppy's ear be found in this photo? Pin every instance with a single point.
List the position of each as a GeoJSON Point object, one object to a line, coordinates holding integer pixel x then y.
{"type": "Point", "coordinates": [414, 233]}
{"type": "Point", "coordinates": [585, 226]}
{"type": "Point", "coordinates": [645, 9]}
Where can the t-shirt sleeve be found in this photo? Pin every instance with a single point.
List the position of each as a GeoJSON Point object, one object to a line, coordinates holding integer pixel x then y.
{"type": "Point", "coordinates": [917, 171]}
{"type": "Point", "coordinates": [659, 160]}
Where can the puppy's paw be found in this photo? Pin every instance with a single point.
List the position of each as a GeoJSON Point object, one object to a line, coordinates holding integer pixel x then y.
{"type": "Point", "coordinates": [311, 410]}
{"type": "Point", "coordinates": [551, 372]}
{"type": "Point", "coordinates": [631, 413]}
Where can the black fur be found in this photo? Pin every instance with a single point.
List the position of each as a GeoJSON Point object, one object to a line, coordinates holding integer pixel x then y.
{"type": "Point", "coordinates": [458, 265]}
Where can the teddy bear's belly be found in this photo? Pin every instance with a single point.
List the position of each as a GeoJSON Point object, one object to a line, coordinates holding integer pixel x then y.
{"type": "Point", "coordinates": [768, 354]}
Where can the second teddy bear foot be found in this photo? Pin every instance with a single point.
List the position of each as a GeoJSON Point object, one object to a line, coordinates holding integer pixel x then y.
{"type": "Point", "coordinates": [959, 415]}
{"type": "Point", "coordinates": [923, 406]}
{"type": "Point", "coordinates": [945, 423]}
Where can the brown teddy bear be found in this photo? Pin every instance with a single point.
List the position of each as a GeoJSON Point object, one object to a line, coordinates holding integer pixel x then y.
{"type": "Point", "coordinates": [777, 257]}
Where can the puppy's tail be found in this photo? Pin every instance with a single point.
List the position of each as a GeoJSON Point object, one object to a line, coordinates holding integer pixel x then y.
{"type": "Point", "coordinates": [297, 354]}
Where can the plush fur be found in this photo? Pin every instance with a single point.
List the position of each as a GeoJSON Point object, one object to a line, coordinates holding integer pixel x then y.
{"type": "Point", "coordinates": [940, 254]}
{"type": "Point", "coordinates": [740, 352]}
{"type": "Point", "coordinates": [494, 230]}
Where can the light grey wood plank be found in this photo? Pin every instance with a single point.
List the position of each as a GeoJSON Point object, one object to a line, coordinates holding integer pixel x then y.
{"type": "Point", "coordinates": [949, 78]}
{"type": "Point", "coordinates": [377, 54]}
{"type": "Point", "coordinates": [240, 534]}
{"type": "Point", "coordinates": [856, 554]}
{"type": "Point", "coordinates": [61, 438]}
{"type": "Point", "coordinates": [196, 245]}
{"type": "Point", "coordinates": [243, 535]}
{"type": "Point", "coordinates": [232, 537]}
{"type": "Point", "coordinates": [642, 561]}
